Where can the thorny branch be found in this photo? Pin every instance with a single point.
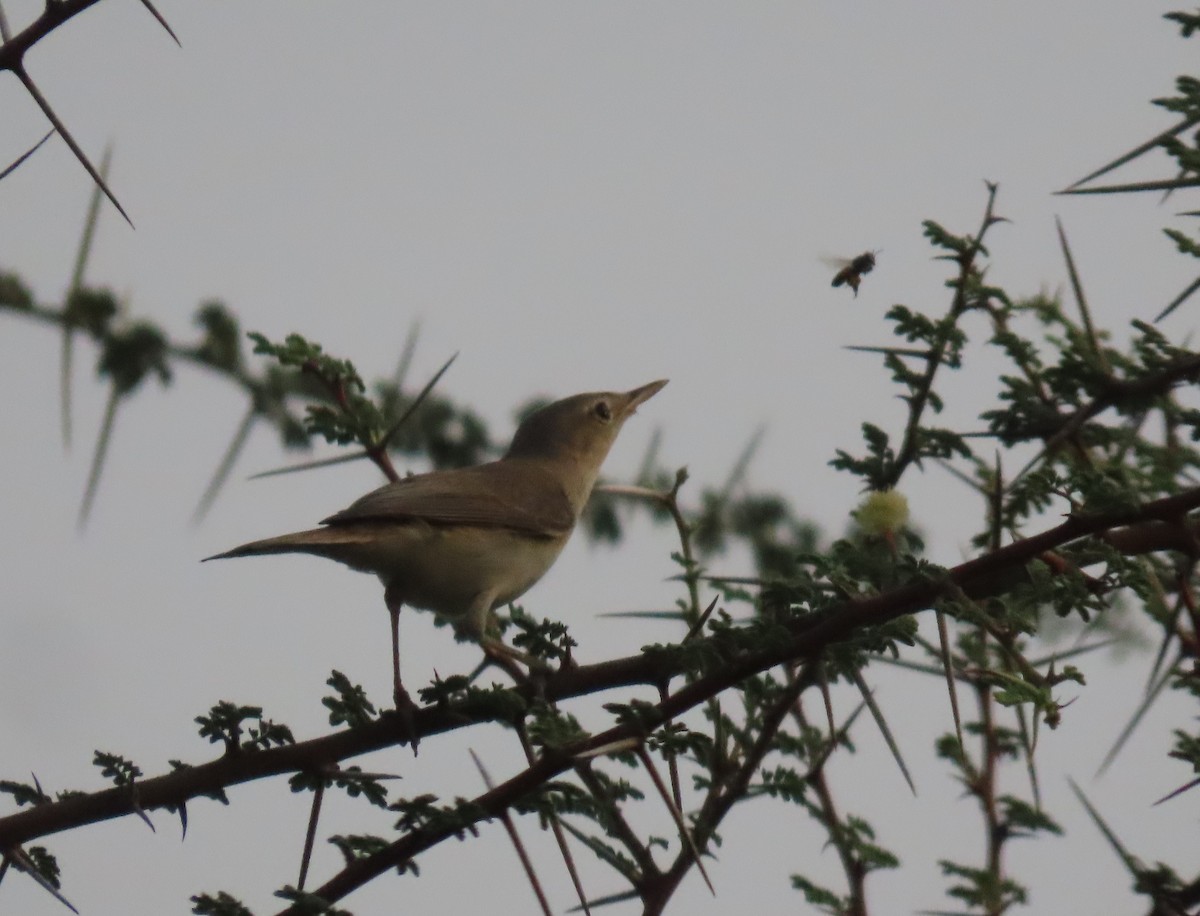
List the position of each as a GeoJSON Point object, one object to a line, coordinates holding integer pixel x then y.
{"type": "Point", "coordinates": [808, 637]}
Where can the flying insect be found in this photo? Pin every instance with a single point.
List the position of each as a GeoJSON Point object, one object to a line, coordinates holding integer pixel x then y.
{"type": "Point", "coordinates": [852, 270]}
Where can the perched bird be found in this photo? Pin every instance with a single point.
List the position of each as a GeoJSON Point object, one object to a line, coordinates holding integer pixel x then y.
{"type": "Point", "coordinates": [463, 542]}
{"type": "Point", "coordinates": [852, 270]}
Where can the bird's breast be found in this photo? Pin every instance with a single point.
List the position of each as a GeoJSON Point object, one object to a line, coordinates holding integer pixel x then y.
{"type": "Point", "coordinates": [450, 569]}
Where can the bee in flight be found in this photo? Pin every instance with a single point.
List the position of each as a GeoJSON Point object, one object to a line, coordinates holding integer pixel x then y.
{"type": "Point", "coordinates": [852, 270]}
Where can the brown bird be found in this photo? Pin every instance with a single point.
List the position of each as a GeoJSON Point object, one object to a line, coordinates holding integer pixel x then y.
{"type": "Point", "coordinates": [463, 542]}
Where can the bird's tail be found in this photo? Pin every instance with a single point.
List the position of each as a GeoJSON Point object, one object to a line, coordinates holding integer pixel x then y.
{"type": "Point", "coordinates": [326, 542]}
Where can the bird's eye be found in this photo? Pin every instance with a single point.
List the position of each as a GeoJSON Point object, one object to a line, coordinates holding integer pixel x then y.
{"type": "Point", "coordinates": [603, 411]}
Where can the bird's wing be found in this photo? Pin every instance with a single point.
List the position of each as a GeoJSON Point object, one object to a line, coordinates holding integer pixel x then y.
{"type": "Point", "coordinates": [496, 495]}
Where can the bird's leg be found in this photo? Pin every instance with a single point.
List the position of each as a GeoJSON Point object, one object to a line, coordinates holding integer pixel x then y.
{"type": "Point", "coordinates": [400, 694]}
{"type": "Point", "coordinates": [505, 656]}
{"type": "Point", "coordinates": [498, 652]}
{"type": "Point", "coordinates": [405, 707]}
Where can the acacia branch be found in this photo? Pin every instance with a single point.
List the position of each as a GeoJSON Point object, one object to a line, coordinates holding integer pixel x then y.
{"type": "Point", "coordinates": [808, 637]}
{"type": "Point", "coordinates": [55, 14]}
{"type": "Point", "coordinates": [919, 399]}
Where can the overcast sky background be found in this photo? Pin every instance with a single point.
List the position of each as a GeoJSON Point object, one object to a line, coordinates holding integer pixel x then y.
{"type": "Point", "coordinates": [572, 197]}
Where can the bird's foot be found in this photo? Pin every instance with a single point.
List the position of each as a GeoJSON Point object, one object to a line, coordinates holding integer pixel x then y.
{"type": "Point", "coordinates": [533, 676]}
{"type": "Point", "coordinates": [406, 711]}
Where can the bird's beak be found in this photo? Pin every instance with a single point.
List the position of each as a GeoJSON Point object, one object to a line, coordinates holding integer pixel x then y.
{"type": "Point", "coordinates": [641, 395]}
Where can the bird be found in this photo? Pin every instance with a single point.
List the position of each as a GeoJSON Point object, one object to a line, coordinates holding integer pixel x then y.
{"type": "Point", "coordinates": [465, 541]}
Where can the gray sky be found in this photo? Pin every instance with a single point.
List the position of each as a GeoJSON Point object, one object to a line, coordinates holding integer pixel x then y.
{"type": "Point", "coordinates": [571, 196]}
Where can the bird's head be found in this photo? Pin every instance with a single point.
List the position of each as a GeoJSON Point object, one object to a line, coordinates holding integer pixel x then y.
{"type": "Point", "coordinates": [580, 429]}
